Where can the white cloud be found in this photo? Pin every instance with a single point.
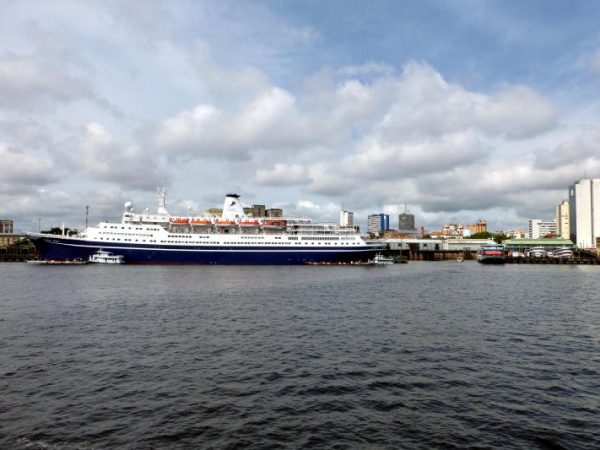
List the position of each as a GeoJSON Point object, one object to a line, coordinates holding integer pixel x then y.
{"type": "Point", "coordinates": [376, 159]}
{"type": "Point", "coordinates": [426, 105]}
{"type": "Point", "coordinates": [20, 171]}
{"type": "Point", "coordinates": [369, 68]}
{"type": "Point", "coordinates": [583, 152]}
{"type": "Point", "coordinates": [103, 158]}
{"type": "Point", "coordinates": [24, 83]}
{"type": "Point", "coordinates": [283, 175]}
{"type": "Point", "coordinates": [268, 121]}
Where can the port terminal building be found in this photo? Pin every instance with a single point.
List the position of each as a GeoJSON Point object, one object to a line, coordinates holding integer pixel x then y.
{"type": "Point", "coordinates": [473, 245]}
{"type": "Point", "coordinates": [436, 249]}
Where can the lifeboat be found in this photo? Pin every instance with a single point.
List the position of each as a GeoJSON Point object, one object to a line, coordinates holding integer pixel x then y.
{"type": "Point", "coordinates": [179, 220]}
{"type": "Point", "coordinates": [225, 223]}
{"type": "Point", "coordinates": [201, 221]}
{"type": "Point", "coordinates": [275, 223]}
{"type": "Point", "coordinates": [249, 222]}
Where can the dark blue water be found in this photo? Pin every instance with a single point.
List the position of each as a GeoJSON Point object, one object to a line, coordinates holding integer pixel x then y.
{"type": "Point", "coordinates": [424, 355]}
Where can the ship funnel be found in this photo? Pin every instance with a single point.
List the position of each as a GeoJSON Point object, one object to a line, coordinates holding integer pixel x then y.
{"type": "Point", "coordinates": [232, 207]}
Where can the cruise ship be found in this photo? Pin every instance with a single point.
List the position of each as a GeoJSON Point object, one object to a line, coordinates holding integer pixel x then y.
{"type": "Point", "coordinates": [156, 237]}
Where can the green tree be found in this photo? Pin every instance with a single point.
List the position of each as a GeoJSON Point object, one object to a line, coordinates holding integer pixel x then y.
{"type": "Point", "coordinates": [500, 237]}
{"type": "Point", "coordinates": [481, 235]}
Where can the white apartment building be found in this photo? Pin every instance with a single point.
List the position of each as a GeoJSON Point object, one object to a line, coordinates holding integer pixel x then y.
{"type": "Point", "coordinates": [562, 220]}
{"type": "Point", "coordinates": [540, 228]}
{"type": "Point", "coordinates": [346, 218]}
{"type": "Point", "coordinates": [377, 223]}
{"type": "Point", "coordinates": [584, 212]}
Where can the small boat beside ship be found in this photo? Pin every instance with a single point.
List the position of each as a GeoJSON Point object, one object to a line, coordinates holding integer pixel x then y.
{"type": "Point", "coordinates": [104, 257]}
{"type": "Point", "coordinates": [381, 260]}
{"type": "Point", "coordinates": [492, 254]}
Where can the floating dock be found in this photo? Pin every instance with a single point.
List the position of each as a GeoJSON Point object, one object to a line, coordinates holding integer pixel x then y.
{"type": "Point", "coordinates": [52, 262]}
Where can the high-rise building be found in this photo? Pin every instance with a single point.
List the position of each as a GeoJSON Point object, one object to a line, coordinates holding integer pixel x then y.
{"type": "Point", "coordinates": [378, 223]}
{"type": "Point", "coordinates": [562, 220]}
{"type": "Point", "coordinates": [274, 212]}
{"type": "Point", "coordinates": [258, 210]}
{"type": "Point", "coordinates": [406, 222]}
{"type": "Point", "coordinates": [540, 228]}
{"type": "Point", "coordinates": [6, 226]}
{"type": "Point", "coordinates": [346, 218]}
{"type": "Point", "coordinates": [584, 212]}
{"type": "Point", "coordinates": [479, 227]}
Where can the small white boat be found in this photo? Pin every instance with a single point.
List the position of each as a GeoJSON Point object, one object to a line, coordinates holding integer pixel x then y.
{"type": "Point", "coordinates": [381, 260]}
{"type": "Point", "coordinates": [104, 257]}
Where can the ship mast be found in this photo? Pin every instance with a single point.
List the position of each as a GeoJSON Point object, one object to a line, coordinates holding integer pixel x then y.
{"type": "Point", "coordinates": [161, 199]}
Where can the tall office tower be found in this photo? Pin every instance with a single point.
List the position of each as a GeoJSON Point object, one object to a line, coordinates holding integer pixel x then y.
{"type": "Point", "coordinates": [377, 223]}
{"type": "Point", "coordinates": [346, 218]}
{"type": "Point", "coordinates": [406, 222]}
{"type": "Point", "coordinates": [540, 228]}
{"type": "Point", "coordinates": [584, 212]}
{"type": "Point", "coordinates": [562, 219]}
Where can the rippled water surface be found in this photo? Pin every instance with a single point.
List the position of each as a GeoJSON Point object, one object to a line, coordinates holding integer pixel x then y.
{"type": "Point", "coordinates": [423, 355]}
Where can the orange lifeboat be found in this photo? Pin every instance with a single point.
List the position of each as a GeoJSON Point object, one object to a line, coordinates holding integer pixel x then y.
{"type": "Point", "coordinates": [179, 220]}
{"type": "Point", "coordinates": [225, 223]}
{"type": "Point", "coordinates": [275, 223]}
{"type": "Point", "coordinates": [201, 221]}
{"type": "Point", "coordinates": [249, 222]}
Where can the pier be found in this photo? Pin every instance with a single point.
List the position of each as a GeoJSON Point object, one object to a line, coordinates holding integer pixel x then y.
{"type": "Point", "coordinates": [19, 251]}
{"type": "Point", "coordinates": [432, 255]}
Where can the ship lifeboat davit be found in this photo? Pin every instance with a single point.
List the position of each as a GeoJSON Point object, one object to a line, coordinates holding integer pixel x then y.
{"type": "Point", "coordinates": [179, 220]}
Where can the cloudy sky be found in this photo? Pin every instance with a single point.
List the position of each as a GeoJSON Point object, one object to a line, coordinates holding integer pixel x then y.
{"type": "Point", "coordinates": [461, 110]}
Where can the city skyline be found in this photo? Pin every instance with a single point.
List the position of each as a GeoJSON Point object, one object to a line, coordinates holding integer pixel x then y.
{"type": "Point", "coordinates": [461, 109]}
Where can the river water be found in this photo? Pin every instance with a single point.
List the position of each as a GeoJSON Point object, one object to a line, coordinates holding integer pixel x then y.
{"type": "Point", "coordinates": [418, 355]}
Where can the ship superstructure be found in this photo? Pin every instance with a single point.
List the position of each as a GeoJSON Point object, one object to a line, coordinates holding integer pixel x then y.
{"type": "Point", "coordinates": [156, 237]}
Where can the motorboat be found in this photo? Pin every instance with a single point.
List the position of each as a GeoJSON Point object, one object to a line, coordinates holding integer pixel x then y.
{"type": "Point", "coordinates": [104, 257]}
{"type": "Point", "coordinates": [382, 260]}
